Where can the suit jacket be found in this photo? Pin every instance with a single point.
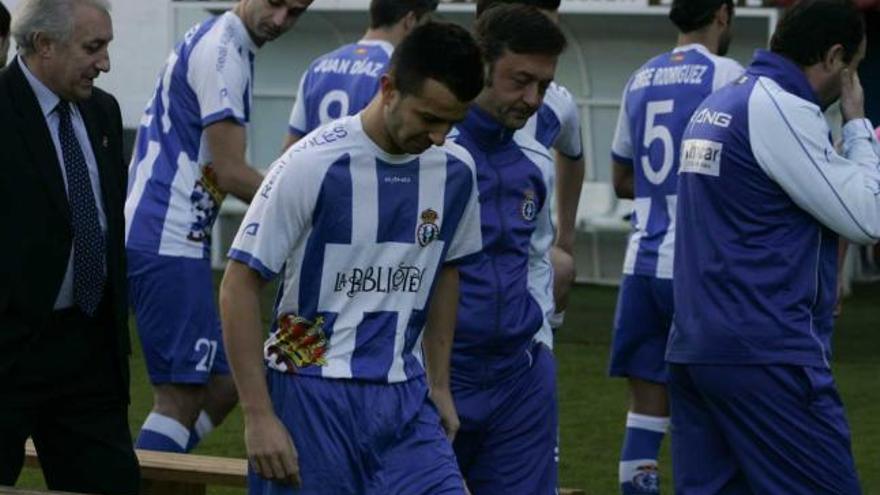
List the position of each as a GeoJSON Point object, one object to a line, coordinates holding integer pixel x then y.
{"type": "Point", "coordinates": [35, 214]}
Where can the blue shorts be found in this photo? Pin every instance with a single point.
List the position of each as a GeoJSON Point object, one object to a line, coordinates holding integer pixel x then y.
{"type": "Point", "coordinates": [508, 441]}
{"type": "Point", "coordinates": [176, 315]}
{"type": "Point", "coordinates": [361, 438]}
{"type": "Point", "coordinates": [759, 430]}
{"type": "Point", "coordinates": [641, 328]}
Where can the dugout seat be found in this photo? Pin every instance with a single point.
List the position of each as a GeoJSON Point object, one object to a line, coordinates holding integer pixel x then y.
{"type": "Point", "coordinates": [602, 225]}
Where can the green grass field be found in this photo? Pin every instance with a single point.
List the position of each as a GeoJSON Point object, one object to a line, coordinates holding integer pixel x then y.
{"type": "Point", "coordinates": [593, 407]}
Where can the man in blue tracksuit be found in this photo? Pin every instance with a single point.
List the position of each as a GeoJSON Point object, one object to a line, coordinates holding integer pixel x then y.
{"type": "Point", "coordinates": [503, 382]}
{"type": "Point", "coordinates": [762, 198]}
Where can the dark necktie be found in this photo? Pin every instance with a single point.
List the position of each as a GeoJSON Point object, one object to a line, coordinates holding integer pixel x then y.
{"type": "Point", "coordinates": [88, 239]}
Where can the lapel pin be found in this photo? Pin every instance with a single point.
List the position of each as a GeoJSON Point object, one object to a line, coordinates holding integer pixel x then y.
{"type": "Point", "coordinates": [105, 142]}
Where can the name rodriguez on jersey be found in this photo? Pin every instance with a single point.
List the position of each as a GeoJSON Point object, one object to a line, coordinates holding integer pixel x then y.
{"type": "Point", "coordinates": [666, 76]}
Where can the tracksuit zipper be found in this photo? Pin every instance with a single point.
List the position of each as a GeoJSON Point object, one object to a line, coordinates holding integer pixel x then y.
{"type": "Point", "coordinates": [499, 211]}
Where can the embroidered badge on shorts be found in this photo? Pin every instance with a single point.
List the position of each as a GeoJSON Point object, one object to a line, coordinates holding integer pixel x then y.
{"type": "Point", "coordinates": [529, 208]}
{"type": "Point", "coordinates": [297, 343]}
{"type": "Point", "coordinates": [428, 229]}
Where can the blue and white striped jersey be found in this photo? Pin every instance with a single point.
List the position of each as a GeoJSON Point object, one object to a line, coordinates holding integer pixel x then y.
{"type": "Point", "coordinates": [657, 103]}
{"type": "Point", "coordinates": [763, 195]}
{"type": "Point", "coordinates": [557, 124]}
{"type": "Point", "coordinates": [339, 83]}
{"type": "Point", "coordinates": [358, 236]}
{"type": "Point", "coordinates": [172, 196]}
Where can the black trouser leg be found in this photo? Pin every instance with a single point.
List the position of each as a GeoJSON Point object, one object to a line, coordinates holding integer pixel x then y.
{"type": "Point", "coordinates": [87, 450]}
{"type": "Point", "coordinates": [14, 430]}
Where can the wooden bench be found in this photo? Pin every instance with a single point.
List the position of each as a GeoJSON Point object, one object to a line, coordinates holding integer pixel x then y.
{"type": "Point", "coordinates": [165, 473]}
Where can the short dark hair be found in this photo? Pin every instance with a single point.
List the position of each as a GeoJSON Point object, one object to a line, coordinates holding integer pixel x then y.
{"type": "Point", "coordinates": [5, 21]}
{"type": "Point", "coordinates": [809, 28]}
{"type": "Point", "coordinates": [484, 5]}
{"type": "Point", "coordinates": [521, 29]}
{"type": "Point", "coordinates": [386, 13]}
{"type": "Point", "coordinates": [691, 15]}
{"type": "Point", "coordinates": [441, 51]}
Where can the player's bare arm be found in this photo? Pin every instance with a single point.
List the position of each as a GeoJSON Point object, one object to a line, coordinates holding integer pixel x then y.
{"type": "Point", "coordinates": [437, 342]}
{"type": "Point", "coordinates": [227, 144]}
{"type": "Point", "coordinates": [622, 178]}
{"type": "Point", "coordinates": [569, 180]}
{"type": "Point", "coordinates": [290, 140]}
{"type": "Point", "coordinates": [269, 446]}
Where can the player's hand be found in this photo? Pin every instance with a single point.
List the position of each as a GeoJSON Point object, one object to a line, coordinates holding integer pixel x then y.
{"type": "Point", "coordinates": [270, 449]}
{"type": "Point", "coordinates": [442, 399]}
{"type": "Point", "coordinates": [852, 96]}
{"type": "Point", "coordinates": [563, 276]}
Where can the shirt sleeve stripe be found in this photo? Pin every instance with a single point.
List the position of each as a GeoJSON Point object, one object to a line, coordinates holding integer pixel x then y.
{"type": "Point", "coordinates": [621, 159]}
{"type": "Point", "coordinates": [253, 263]}
{"type": "Point", "coordinates": [225, 114]}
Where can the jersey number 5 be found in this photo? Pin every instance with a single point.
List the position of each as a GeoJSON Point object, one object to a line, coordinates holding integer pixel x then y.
{"type": "Point", "coordinates": [653, 132]}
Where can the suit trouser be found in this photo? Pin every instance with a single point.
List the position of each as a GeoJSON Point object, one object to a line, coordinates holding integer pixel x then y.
{"type": "Point", "coordinates": [66, 392]}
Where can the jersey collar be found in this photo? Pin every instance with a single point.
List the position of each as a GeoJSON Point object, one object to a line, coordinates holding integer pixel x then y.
{"type": "Point", "coordinates": [357, 126]}
{"type": "Point", "coordinates": [693, 46]}
{"type": "Point", "coordinates": [236, 25]}
{"type": "Point", "coordinates": [388, 47]}
{"type": "Point", "coordinates": [485, 130]}
{"type": "Point", "coordinates": [783, 72]}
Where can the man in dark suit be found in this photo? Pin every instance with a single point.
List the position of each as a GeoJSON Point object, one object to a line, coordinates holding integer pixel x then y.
{"type": "Point", "coordinates": [63, 309]}
{"type": "Point", "coordinates": [5, 19]}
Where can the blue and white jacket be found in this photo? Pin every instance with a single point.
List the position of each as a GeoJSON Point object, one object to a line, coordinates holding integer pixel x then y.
{"type": "Point", "coordinates": [506, 291]}
{"type": "Point", "coordinates": [762, 197]}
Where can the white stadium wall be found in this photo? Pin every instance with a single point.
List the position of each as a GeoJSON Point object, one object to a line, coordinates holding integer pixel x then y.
{"type": "Point", "coordinates": [609, 40]}
{"type": "Point", "coordinates": [140, 45]}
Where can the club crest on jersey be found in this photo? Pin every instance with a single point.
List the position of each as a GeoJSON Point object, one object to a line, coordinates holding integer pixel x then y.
{"type": "Point", "coordinates": [428, 230]}
{"type": "Point", "coordinates": [647, 479]}
{"type": "Point", "coordinates": [297, 343]}
{"type": "Point", "coordinates": [529, 208]}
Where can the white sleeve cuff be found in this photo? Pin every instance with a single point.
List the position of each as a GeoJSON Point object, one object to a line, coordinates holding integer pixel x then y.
{"type": "Point", "coordinates": [858, 129]}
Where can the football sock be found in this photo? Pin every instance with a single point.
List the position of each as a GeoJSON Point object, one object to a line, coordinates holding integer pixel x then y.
{"type": "Point", "coordinates": [203, 426]}
{"type": "Point", "coordinates": [638, 457]}
{"type": "Point", "coordinates": [162, 433]}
